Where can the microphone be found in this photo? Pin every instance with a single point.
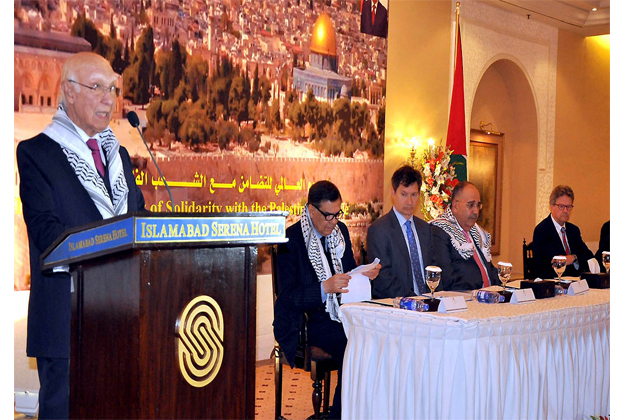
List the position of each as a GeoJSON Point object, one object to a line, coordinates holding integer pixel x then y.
{"type": "Point", "coordinates": [133, 119]}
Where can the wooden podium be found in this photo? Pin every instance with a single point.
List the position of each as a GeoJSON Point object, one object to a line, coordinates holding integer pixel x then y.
{"type": "Point", "coordinates": [164, 314]}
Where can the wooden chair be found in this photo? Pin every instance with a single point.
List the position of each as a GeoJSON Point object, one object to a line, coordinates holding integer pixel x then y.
{"type": "Point", "coordinates": [528, 261]}
{"type": "Point", "coordinates": [309, 358]}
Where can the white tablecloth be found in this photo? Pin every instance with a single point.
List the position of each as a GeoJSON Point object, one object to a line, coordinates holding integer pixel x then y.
{"type": "Point", "coordinates": [544, 360]}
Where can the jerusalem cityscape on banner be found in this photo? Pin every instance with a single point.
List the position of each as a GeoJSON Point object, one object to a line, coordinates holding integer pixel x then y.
{"type": "Point", "coordinates": [244, 104]}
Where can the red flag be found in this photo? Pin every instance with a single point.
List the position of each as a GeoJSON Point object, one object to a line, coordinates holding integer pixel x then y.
{"type": "Point", "coordinates": [456, 130]}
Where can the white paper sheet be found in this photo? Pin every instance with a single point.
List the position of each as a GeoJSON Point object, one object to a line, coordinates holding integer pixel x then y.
{"type": "Point", "coordinates": [359, 284]}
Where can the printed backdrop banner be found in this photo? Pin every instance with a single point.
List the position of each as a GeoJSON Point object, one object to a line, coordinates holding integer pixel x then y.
{"type": "Point", "coordinates": [245, 106]}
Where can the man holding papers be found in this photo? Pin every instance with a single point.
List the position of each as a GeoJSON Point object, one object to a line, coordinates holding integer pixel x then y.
{"type": "Point", "coordinates": [310, 270]}
{"type": "Point", "coordinates": [401, 241]}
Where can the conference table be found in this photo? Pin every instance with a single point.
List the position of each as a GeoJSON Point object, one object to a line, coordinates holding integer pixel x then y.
{"type": "Point", "coordinates": [548, 359]}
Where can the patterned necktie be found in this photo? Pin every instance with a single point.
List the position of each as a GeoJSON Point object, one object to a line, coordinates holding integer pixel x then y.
{"type": "Point", "coordinates": [478, 261]}
{"type": "Point", "coordinates": [373, 14]}
{"type": "Point", "coordinates": [414, 261]}
{"type": "Point", "coordinates": [566, 244]}
{"type": "Point", "coordinates": [95, 152]}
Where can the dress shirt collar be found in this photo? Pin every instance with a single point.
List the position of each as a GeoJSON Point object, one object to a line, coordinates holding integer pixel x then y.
{"type": "Point", "coordinates": [400, 217]}
{"type": "Point", "coordinates": [557, 225]}
{"type": "Point", "coordinates": [84, 135]}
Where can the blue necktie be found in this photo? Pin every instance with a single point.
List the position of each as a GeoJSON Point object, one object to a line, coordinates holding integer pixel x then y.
{"type": "Point", "coordinates": [414, 260]}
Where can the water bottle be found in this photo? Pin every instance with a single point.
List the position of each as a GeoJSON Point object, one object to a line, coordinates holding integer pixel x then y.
{"type": "Point", "coordinates": [411, 304]}
{"type": "Point", "coordinates": [486, 296]}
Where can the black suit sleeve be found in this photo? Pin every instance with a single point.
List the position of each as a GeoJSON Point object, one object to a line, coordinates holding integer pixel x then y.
{"type": "Point", "coordinates": [442, 256]}
{"type": "Point", "coordinates": [604, 244]}
{"type": "Point", "coordinates": [579, 248]}
{"type": "Point", "coordinates": [297, 289]}
{"type": "Point", "coordinates": [136, 201]}
{"type": "Point", "coordinates": [38, 201]}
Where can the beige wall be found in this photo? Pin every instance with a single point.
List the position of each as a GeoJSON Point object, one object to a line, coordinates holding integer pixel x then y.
{"type": "Point", "coordinates": [419, 65]}
{"type": "Point", "coordinates": [582, 142]}
{"type": "Point", "coordinates": [419, 51]}
{"type": "Point", "coordinates": [504, 98]}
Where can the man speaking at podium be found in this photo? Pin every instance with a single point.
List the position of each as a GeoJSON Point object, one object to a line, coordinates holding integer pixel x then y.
{"type": "Point", "coordinates": [74, 172]}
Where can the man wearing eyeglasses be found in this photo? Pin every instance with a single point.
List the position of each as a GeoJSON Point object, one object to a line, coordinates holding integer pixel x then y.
{"type": "Point", "coordinates": [461, 246]}
{"type": "Point", "coordinates": [555, 235]}
{"type": "Point", "coordinates": [311, 269]}
{"type": "Point", "coordinates": [75, 172]}
{"type": "Point", "coordinates": [401, 241]}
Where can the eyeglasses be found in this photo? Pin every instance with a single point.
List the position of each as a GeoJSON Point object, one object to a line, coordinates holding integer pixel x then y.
{"type": "Point", "coordinates": [472, 205]}
{"type": "Point", "coordinates": [100, 90]}
{"type": "Point", "coordinates": [561, 207]}
{"type": "Point", "coordinates": [329, 216]}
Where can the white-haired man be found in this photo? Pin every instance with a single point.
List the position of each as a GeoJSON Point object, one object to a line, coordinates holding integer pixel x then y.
{"type": "Point", "coordinates": [74, 172]}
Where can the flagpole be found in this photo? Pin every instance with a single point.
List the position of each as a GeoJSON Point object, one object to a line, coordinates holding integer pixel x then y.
{"type": "Point", "coordinates": [457, 30]}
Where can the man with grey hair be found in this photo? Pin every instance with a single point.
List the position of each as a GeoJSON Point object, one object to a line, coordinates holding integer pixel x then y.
{"type": "Point", "coordinates": [555, 235]}
{"type": "Point", "coordinates": [75, 172]}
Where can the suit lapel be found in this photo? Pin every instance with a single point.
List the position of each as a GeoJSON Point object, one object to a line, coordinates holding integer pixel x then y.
{"type": "Point", "coordinates": [555, 238]}
{"type": "Point", "coordinates": [397, 233]}
{"type": "Point", "coordinates": [68, 175]}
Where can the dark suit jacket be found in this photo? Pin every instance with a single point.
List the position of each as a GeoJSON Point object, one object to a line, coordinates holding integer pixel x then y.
{"type": "Point", "coordinates": [299, 289]}
{"type": "Point", "coordinates": [385, 240]}
{"type": "Point", "coordinates": [54, 200]}
{"type": "Point", "coordinates": [547, 243]}
{"type": "Point", "coordinates": [380, 26]}
{"type": "Point", "coordinates": [458, 273]}
{"type": "Point", "coordinates": [604, 244]}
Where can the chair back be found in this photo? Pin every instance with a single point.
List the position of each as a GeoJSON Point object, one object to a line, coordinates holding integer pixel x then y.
{"type": "Point", "coordinates": [528, 261]}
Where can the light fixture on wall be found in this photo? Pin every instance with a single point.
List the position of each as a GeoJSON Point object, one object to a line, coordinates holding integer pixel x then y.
{"type": "Point", "coordinates": [414, 143]}
{"type": "Point", "coordinates": [483, 127]}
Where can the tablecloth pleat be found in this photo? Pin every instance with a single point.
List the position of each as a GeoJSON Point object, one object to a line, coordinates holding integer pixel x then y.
{"type": "Point", "coordinates": [552, 364]}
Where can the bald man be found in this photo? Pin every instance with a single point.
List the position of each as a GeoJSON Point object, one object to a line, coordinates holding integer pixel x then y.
{"type": "Point", "coordinates": [75, 172]}
{"type": "Point", "coordinates": [462, 247]}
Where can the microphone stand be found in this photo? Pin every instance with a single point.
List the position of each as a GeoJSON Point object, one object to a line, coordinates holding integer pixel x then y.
{"type": "Point", "coordinates": [152, 156]}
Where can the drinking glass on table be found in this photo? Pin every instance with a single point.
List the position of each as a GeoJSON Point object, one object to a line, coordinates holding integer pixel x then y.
{"type": "Point", "coordinates": [504, 270]}
{"type": "Point", "coordinates": [559, 265]}
{"type": "Point", "coordinates": [606, 260]}
{"type": "Point", "coordinates": [432, 277]}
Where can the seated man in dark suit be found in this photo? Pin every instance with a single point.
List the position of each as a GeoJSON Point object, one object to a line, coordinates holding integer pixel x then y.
{"type": "Point", "coordinates": [75, 172]}
{"type": "Point", "coordinates": [374, 18]}
{"type": "Point", "coordinates": [401, 241]}
{"type": "Point", "coordinates": [556, 236]}
{"type": "Point", "coordinates": [461, 246]}
{"type": "Point", "coordinates": [310, 270]}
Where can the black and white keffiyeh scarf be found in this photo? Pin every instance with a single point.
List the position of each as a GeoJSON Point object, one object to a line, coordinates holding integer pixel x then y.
{"type": "Point", "coordinates": [63, 131]}
{"type": "Point", "coordinates": [336, 246]}
{"type": "Point", "coordinates": [447, 221]}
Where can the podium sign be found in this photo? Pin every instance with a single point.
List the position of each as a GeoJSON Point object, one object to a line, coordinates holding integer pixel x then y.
{"type": "Point", "coordinates": [164, 314]}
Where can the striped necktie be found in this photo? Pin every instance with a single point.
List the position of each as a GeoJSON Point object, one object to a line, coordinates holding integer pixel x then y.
{"type": "Point", "coordinates": [566, 244]}
{"type": "Point", "coordinates": [478, 261]}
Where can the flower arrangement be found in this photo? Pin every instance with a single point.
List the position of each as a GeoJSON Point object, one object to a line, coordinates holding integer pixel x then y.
{"type": "Point", "coordinates": [439, 179]}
